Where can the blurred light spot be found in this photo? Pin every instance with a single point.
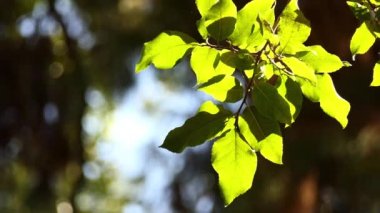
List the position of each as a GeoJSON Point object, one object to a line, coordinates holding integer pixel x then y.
{"type": "Point", "coordinates": [51, 113]}
{"type": "Point", "coordinates": [204, 204]}
{"type": "Point", "coordinates": [128, 6]}
{"type": "Point", "coordinates": [84, 201]}
{"type": "Point", "coordinates": [75, 27]}
{"type": "Point", "coordinates": [27, 27]}
{"type": "Point", "coordinates": [48, 26]}
{"type": "Point", "coordinates": [59, 48]}
{"type": "Point", "coordinates": [91, 170]}
{"type": "Point", "coordinates": [63, 6]}
{"type": "Point", "coordinates": [94, 98]}
{"type": "Point", "coordinates": [91, 124]}
{"type": "Point", "coordinates": [64, 207]}
{"type": "Point", "coordinates": [14, 146]}
{"type": "Point", "coordinates": [87, 41]}
{"type": "Point", "coordinates": [56, 70]}
{"type": "Point", "coordinates": [133, 208]}
{"type": "Point", "coordinates": [40, 9]}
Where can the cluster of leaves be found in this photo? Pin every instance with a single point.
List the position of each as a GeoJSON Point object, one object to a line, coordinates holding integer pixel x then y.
{"type": "Point", "coordinates": [368, 12]}
{"type": "Point", "coordinates": [260, 60]}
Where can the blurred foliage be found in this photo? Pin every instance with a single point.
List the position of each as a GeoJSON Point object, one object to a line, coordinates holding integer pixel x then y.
{"type": "Point", "coordinates": [55, 53]}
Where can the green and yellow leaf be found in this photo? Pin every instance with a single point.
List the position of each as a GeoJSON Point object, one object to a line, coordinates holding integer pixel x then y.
{"type": "Point", "coordinates": [235, 162]}
{"type": "Point", "coordinates": [165, 50]}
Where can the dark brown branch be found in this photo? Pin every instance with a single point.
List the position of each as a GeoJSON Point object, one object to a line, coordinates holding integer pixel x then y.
{"type": "Point", "coordinates": [248, 88]}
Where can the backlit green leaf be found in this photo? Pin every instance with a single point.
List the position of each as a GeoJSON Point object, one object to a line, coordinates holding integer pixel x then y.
{"type": "Point", "coordinates": [330, 101]}
{"type": "Point", "coordinates": [220, 19]}
{"type": "Point", "coordinates": [362, 40]}
{"type": "Point", "coordinates": [376, 75]}
{"type": "Point", "coordinates": [293, 28]}
{"type": "Point", "coordinates": [270, 103]}
{"type": "Point", "coordinates": [204, 126]}
{"type": "Point", "coordinates": [360, 11]}
{"type": "Point", "coordinates": [235, 162]}
{"type": "Point", "coordinates": [223, 88]}
{"type": "Point", "coordinates": [272, 148]}
{"type": "Point", "coordinates": [268, 133]}
{"type": "Point", "coordinates": [291, 92]}
{"type": "Point", "coordinates": [202, 29]}
{"type": "Point", "coordinates": [241, 60]}
{"type": "Point", "coordinates": [320, 60]}
{"type": "Point", "coordinates": [206, 64]}
{"type": "Point", "coordinates": [165, 50]}
{"type": "Point", "coordinates": [300, 69]}
{"type": "Point", "coordinates": [204, 6]}
{"type": "Point", "coordinates": [247, 30]}
{"type": "Point", "coordinates": [309, 90]}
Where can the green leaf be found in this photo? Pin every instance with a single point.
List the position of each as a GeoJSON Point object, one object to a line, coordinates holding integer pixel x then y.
{"type": "Point", "coordinates": [330, 101]}
{"type": "Point", "coordinates": [360, 11]}
{"type": "Point", "coordinates": [272, 148]}
{"type": "Point", "coordinates": [362, 40]}
{"type": "Point", "coordinates": [291, 92]}
{"type": "Point", "coordinates": [241, 60]}
{"type": "Point", "coordinates": [235, 162]}
{"type": "Point", "coordinates": [320, 60]}
{"type": "Point", "coordinates": [375, 2]}
{"type": "Point", "coordinates": [220, 19]}
{"type": "Point", "coordinates": [204, 6]}
{"type": "Point", "coordinates": [247, 30]}
{"type": "Point", "coordinates": [293, 29]}
{"type": "Point", "coordinates": [204, 126]}
{"type": "Point", "coordinates": [223, 88]}
{"type": "Point", "coordinates": [376, 75]}
{"type": "Point", "coordinates": [165, 50]}
{"type": "Point", "coordinates": [270, 103]}
{"type": "Point", "coordinates": [268, 133]}
{"type": "Point", "coordinates": [309, 90]}
{"type": "Point", "coordinates": [300, 69]}
{"type": "Point", "coordinates": [202, 29]}
{"type": "Point", "coordinates": [206, 63]}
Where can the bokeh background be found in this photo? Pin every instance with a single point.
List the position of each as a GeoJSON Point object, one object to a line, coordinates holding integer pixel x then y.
{"type": "Point", "coordinates": [79, 131]}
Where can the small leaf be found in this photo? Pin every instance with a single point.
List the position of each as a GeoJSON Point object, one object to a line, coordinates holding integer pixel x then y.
{"type": "Point", "coordinates": [309, 90]}
{"type": "Point", "coordinates": [272, 148]}
{"type": "Point", "coordinates": [223, 88]}
{"type": "Point", "coordinates": [204, 126]}
{"type": "Point", "coordinates": [247, 30]}
{"type": "Point", "coordinates": [202, 29]}
{"type": "Point", "coordinates": [360, 11]}
{"type": "Point", "coordinates": [241, 60]}
{"type": "Point", "coordinates": [293, 28]}
{"type": "Point", "coordinates": [376, 75]}
{"type": "Point", "coordinates": [267, 132]}
{"type": "Point", "coordinates": [362, 40]}
{"type": "Point", "coordinates": [291, 92]}
{"type": "Point", "coordinates": [206, 64]}
{"type": "Point", "coordinates": [220, 19]}
{"type": "Point", "coordinates": [270, 103]}
{"type": "Point", "coordinates": [320, 60]}
{"type": "Point", "coordinates": [235, 162]}
{"type": "Point", "coordinates": [300, 69]}
{"type": "Point", "coordinates": [165, 50]}
{"type": "Point", "coordinates": [204, 6]}
{"type": "Point", "coordinates": [330, 101]}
